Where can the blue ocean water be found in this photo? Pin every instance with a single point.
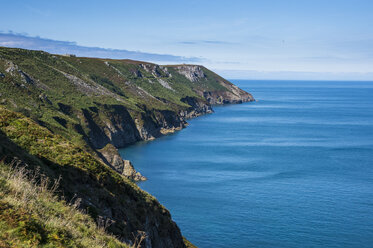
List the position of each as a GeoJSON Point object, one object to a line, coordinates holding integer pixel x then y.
{"type": "Point", "coordinates": [294, 169]}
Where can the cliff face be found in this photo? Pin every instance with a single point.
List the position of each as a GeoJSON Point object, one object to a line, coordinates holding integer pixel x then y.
{"type": "Point", "coordinates": [100, 105]}
{"type": "Point", "coordinates": [227, 94]}
{"type": "Point", "coordinates": [113, 201]}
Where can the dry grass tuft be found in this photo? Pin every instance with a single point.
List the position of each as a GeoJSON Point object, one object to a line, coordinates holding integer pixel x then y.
{"type": "Point", "coordinates": [32, 215]}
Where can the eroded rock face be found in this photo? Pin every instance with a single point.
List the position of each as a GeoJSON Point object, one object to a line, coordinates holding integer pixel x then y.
{"type": "Point", "coordinates": [226, 97]}
{"type": "Point", "coordinates": [191, 72]}
{"type": "Point", "coordinates": [130, 172]}
{"type": "Point", "coordinates": [124, 167]}
{"type": "Point", "coordinates": [229, 94]}
{"type": "Point", "coordinates": [110, 124]}
{"type": "Point", "coordinates": [197, 108]}
{"type": "Point", "coordinates": [165, 84]}
{"type": "Point", "coordinates": [112, 127]}
{"type": "Point", "coordinates": [89, 87]}
{"type": "Point", "coordinates": [11, 67]}
{"type": "Point", "coordinates": [13, 70]}
{"type": "Point", "coordinates": [156, 70]}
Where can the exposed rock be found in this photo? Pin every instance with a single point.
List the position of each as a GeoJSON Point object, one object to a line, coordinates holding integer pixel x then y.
{"type": "Point", "coordinates": [130, 172]}
{"type": "Point", "coordinates": [165, 71]}
{"type": "Point", "coordinates": [156, 70]}
{"type": "Point", "coordinates": [26, 78]}
{"type": "Point", "coordinates": [191, 72]}
{"type": "Point", "coordinates": [165, 84]}
{"type": "Point", "coordinates": [124, 167]}
{"type": "Point", "coordinates": [144, 93]}
{"type": "Point", "coordinates": [90, 88]}
{"type": "Point", "coordinates": [225, 97]}
{"type": "Point", "coordinates": [197, 108]}
{"type": "Point", "coordinates": [153, 124]}
{"type": "Point", "coordinates": [11, 67]}
{"type": "Point", "coordinates": [231, 95]}
{"type": "Point", "coordinates": [69, 55]}
{"type": "Point", "coordinates": [14, 70]}
{"type": "Point", "coordinates": [118, 128]}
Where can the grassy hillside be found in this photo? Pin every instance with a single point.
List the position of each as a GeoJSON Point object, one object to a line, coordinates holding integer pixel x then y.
{"type": "Point", "coordinates": [103, 194]}
{"type": "Point", "coordinates": [64, 117]}
{"type": "Point", "coordinates": [31, 215]}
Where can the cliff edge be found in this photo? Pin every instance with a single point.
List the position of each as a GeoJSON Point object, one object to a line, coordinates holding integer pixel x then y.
{"type": "Point", "coordinates": [97, 106]}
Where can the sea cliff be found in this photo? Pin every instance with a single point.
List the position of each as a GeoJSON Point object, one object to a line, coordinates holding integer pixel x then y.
{"type": "Point", "coordinates": [92, 107]}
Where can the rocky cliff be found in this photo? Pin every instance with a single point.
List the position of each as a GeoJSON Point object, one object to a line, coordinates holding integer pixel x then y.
{"type": "Point", "coordinates": [100, 105]}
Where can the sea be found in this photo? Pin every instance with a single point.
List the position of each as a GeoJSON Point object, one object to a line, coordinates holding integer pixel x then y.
{"type": "Point", "coordinates": [292, 169]}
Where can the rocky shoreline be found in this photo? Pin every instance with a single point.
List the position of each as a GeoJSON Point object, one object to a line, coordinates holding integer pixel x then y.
{"type": "Point", "coordinates": [149, 131]}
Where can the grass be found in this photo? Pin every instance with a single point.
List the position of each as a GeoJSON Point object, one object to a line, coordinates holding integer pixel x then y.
{"type": "Point", "coordinates": [81, 175]}
{"type": "Point", "coordinates": [120, 79]}
{"type": "Point", "coordinates": [31, 214]}
{"type": "Point", "coordinates": [51, 120]}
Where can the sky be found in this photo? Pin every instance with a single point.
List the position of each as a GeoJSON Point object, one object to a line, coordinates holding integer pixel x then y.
{"type": "Point", "coordinates": [251, 39]}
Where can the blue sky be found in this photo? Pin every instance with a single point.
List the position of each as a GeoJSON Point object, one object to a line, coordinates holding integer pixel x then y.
{"type": "Point", "coordinates": [309, 39]}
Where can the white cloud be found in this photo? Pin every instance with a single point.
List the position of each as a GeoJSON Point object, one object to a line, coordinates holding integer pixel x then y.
{"type": "Point", "coordinates": [11, 39]}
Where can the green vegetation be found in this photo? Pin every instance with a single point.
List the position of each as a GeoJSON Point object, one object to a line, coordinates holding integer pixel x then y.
{"type": "Point", "coordinates": [57, 115]}
{"type": "Point", "coordinates": [80, 175]}
{"type": "Point", "coordinates": [40, 142]}
{"type": "Point", "coordinates": [54, 90]}
{"type": "Point", "coordinates": [31, 215]}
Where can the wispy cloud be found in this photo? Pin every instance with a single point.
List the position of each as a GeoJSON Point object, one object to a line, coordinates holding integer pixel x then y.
{"type": "Point", "coordinates": [21, 40]}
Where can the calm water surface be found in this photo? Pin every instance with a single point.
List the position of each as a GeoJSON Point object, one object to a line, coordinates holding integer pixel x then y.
{"type": "Point", "coordinates": [294, 169]}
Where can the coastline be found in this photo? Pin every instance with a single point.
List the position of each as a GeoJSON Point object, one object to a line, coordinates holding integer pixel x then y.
{"type": "Point", "coordinates": [86, 108]}
{"type": "Point", "coordinates": [131, 168]}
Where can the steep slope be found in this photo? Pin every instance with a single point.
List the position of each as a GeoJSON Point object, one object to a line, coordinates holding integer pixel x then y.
{"type": "Point", "coordinates": [76, 112]}
{"type": "Point", "coordinates": [31, 215]}
{"type": "Point", "coordinates": [105, 104]}
{"type": "Point", "coordinates": [103, 193]}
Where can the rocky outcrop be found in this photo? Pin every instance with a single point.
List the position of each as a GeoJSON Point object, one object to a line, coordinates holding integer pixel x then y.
{"type": "Point", "coordinates": [130, 172]}
{"type": "Point", "coordinates": [124, 167]}
{"type": "Point", "coordinates": [156, 70]}
{"type": "Point", "coordinates": [165, 84]}
{"type": "Point", "coordinates": [89, 87]}
{"type": "Point", "coordinates": [197, 108]}
{"type": "Point", "coordinates": [191, 72]}
{"type": "Point", "coordinates": [227, 97]}
{"type": "Point", "coordinates": [13, 70]}
{"type": "Point", "coordinates": [112, 126]}
{"type": "Point", "coordinates": [222, 92]}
